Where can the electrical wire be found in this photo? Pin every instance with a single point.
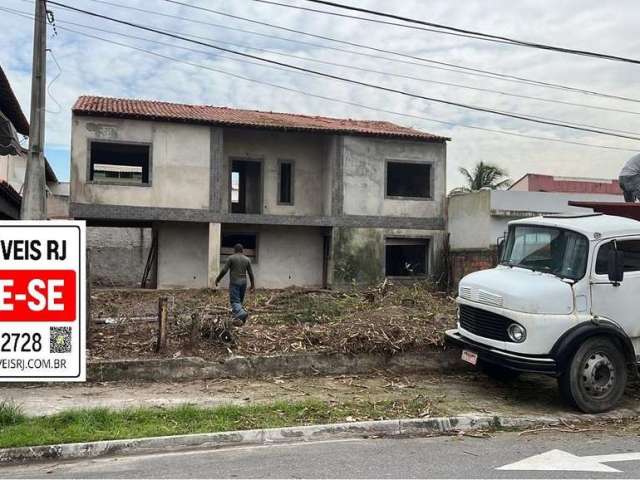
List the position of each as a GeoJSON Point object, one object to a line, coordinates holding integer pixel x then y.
{"type": "Point", "coordinates": [362, 69]}
{"type": "Point", "coordinates": [374, 20]}
{"type": "Point", "coordinates": [455, 68]}
{"type": "Point", "coordinates": [476, 71]}
{"type": "Point", "coordinates": [283, 69]}
{"type": "Point", "coordinates": [333, 99]}
{"type": "Point", "coordinates": [53, 57]}
{"type": "Point", "coordinates": [350, 80]}
{"type": "Point", "coordinates": [483, 36]}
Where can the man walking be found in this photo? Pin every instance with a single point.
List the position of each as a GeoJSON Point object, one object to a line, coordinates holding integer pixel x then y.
{"type": "Point", "coordinates": [630, 179]}
{"type": "Point", "coordinates": [238, 266]}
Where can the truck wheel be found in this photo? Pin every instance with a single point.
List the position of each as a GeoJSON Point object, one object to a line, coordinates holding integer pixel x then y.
{"type": "Point", "coordinates": [498, 372]}
{"type": "Point", "coordinates": [596, 376]}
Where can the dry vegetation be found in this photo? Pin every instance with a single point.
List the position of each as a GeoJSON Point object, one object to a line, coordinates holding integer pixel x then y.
{"type": "Point", "coordinates": [385, 319]}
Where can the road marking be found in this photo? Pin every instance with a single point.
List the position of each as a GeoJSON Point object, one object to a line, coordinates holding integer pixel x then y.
{"type": "Point", "coordinates": [559, 460]}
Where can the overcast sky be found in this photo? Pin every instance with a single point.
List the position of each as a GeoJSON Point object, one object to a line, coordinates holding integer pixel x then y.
{"type": "Point", "coordinates": [91, 66]}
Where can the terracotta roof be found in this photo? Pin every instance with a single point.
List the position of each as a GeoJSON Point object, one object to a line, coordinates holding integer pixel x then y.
{"type": "Point", "coordinates": [223, 116]}
{"type": "Point", "coordinates": [10, 107]}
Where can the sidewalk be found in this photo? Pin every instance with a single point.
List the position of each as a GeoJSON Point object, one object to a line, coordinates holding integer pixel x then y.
{"type": "Point", "coordinates": [472, 393]}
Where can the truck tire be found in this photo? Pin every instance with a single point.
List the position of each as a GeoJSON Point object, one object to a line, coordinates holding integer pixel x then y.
{"type": "Point", "coordinates": [498, 372]}
{"type": "Point", "coordinates": [596, 376]}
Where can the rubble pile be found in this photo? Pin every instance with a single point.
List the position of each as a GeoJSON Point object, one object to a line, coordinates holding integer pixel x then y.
{"type": "Point", "coordinates": [384, 319]}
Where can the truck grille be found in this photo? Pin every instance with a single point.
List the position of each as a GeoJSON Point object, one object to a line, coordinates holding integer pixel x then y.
{"type": "Point", "coordinates": [484, 324]}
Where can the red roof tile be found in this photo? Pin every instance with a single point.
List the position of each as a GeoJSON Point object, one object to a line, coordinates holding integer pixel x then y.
{"type": "Point", "coordinates": [223, 116]}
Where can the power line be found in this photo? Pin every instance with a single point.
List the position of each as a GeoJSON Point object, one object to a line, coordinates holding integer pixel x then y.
{"type": "Point", "coordinates": [262, 65]}
{"type": "Point", "coordinates": [332, 99]}
{"type": "Point", "coordinates": [362, 69]}
{"type": "Point", "coordinates": [349, 80]}
{"type": "Point", "coordinates": [485, 36]}
{"type": "Point", "coordinates": [467, 70]}
{"type": "Point", "coordinates": [374, 20]}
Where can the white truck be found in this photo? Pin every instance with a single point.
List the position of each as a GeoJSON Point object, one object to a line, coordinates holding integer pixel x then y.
{"type": "Point", "coordinates": [561, 302]}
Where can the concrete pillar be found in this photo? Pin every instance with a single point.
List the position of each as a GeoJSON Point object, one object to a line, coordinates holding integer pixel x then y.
{"type": "Point", "coordinates": [215, 240]}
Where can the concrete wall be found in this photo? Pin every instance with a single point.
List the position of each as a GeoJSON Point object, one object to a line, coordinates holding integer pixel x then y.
{"type": "Point", "coordinates": [183, 251]}
{"type": "Point", "coordinates": [469, 220]}
{"type": "Point", "coordinates": [118, 255]}
{"type": "Point", "coordinates": [544, 202]}
{"type": "Point", "coordinates": [358, 254]}
{"type": "Point", "coordinates": [287, 256]}
{"type": "Point", "coordinates": [307, 151]}
{"type": "Point", "coordinates": [180, 163]}
{"type": "Point", "coordinates": [478, 219]}
{"type": "Point", "coordinates": [364, 177]}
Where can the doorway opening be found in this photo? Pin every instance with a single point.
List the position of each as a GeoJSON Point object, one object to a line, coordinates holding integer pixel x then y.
{"type": "Point", "coordinates": [246, 186]}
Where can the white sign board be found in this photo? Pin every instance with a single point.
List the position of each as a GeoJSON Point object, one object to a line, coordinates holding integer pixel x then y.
{"type": "Point", "coordinates": [42, 301]}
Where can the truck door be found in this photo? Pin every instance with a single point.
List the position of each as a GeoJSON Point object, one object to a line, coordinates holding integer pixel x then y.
{"type": "Point", "coordinates": [618, 303]}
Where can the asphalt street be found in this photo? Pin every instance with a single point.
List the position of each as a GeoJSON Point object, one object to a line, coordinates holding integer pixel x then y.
{"type": "Point", "coordinates": [598, 454]}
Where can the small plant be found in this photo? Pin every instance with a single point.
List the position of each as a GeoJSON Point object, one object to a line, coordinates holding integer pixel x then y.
{"type": "Point", "coordinates": [10, 413]}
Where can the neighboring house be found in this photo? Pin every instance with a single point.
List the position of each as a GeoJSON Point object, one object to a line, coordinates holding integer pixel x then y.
{"type": "Point", "coordinates": [314, 200]}
{"type": "Point", "coordinates": [478, 219]}
{"type": "Point", "coordinates": [535, 182]}
{"type": "Point", "coordinates": [10, 202]}
{"type": "Point", "coordinates": [13, 158]}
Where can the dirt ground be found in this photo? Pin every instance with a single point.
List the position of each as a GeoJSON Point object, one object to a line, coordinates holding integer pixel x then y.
{"type": "Point", "coordinates": [470, 393]}
{"type": "Point", "coordinates": [384, 319]}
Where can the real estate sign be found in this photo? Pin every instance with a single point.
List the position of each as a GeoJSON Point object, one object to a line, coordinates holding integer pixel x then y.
{"type": "Point", "coordinates": [42, 301]}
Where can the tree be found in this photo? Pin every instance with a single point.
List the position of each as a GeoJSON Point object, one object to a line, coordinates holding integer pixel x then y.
{"type": "Point", "coordinates": [484, 175]}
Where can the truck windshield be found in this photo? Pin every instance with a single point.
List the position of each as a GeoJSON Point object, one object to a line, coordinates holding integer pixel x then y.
{"type": "Point", "coordinates": [547, 249]}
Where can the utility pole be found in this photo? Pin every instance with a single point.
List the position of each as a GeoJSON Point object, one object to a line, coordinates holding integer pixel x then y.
{"type": "Point", "coordinates": [34, 205]}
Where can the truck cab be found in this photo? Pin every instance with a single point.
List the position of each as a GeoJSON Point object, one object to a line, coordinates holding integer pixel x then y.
{"type": "Point", "coordinates": [562, 302]}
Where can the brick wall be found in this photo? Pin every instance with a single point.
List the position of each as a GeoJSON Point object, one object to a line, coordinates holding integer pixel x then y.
{"type": "Point", "coordinates": [464, 262]}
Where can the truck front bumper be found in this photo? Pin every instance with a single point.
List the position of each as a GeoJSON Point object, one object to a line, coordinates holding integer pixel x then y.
{"type": "Point", "coordinates": [511, 360]}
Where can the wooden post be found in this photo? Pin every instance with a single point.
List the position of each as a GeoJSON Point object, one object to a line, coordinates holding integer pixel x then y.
{"type": "Point", "coordinates": [162, 324]}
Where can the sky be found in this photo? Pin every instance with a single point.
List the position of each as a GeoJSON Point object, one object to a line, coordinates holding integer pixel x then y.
{"type": "Point", "coordinates": [82, 65]}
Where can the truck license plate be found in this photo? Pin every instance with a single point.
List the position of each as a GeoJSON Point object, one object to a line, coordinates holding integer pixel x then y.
{"type": "Point", "coordinates": [469, 357]}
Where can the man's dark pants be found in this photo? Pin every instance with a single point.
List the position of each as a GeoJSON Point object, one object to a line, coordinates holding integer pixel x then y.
{"type": "Point", "coordinates": [236, 298]}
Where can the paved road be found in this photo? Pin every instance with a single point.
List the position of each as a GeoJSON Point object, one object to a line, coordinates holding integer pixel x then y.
{"type": "Point", "coordinates": [443, 457]}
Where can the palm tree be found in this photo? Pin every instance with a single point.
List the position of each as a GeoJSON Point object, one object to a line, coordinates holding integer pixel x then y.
{"type": "Point", "coordinates": [485, 175]}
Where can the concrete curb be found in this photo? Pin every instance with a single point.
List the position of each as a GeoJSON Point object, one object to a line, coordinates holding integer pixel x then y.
{"type": "Point", "coordinates": [386, 428]}
{"type": "Point", "coordinates": [193, 368]}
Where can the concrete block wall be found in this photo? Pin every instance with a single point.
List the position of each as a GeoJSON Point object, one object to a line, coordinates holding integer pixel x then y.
{"type": "Point", "coordinates": [287, 256]}
{"type": "Point", "coordinates": [364, 171]}
{"type": "Point", "coordinates": [180, 163]}
{"type": "Point", "coordinates": [183, 255]}
{"type": "Point", "coordinates": [358, 254]}
{"type": "Point", "coordinates": [117, 255]}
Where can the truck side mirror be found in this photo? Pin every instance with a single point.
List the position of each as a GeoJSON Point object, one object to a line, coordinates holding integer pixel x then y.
{"type": "Point", "coordinates": [616, 266]}
{"type": "Point", "coordinates": [499, 248]}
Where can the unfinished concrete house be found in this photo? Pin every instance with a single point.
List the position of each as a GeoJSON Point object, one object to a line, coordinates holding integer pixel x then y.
{"type": "Point", "coordinates": [315, 201]}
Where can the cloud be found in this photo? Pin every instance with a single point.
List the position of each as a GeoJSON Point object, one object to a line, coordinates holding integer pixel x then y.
{"type": "Point", "coordinates": [90, 66]}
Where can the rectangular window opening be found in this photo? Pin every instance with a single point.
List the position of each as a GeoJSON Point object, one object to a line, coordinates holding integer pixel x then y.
{"type": "Point", "coordinates": [406, 257]}
{"type": "Point", "coordinates": [285, 191]}
{"type": "Point", "coordinates": [119, 163]}
{"type": "Point", "coordinates": [249, 242]}
{"type": "Point", "coordinates": [408, 180]}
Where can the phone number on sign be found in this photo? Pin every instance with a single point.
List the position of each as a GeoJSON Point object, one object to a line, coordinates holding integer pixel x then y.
{"type": "Point", "coordinates": [20, 342]}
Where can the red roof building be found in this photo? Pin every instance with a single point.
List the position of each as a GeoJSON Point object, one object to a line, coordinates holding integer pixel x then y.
{"type": "Point", "coordinates": [534, 182]}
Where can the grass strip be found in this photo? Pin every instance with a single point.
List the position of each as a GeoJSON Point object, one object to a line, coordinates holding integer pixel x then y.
{"type": "Point", "coordinates": [85, 425]}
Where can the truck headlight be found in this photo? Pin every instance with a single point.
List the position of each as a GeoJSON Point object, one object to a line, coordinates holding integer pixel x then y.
{"type": "Point", "coordinates": [517, 333]}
